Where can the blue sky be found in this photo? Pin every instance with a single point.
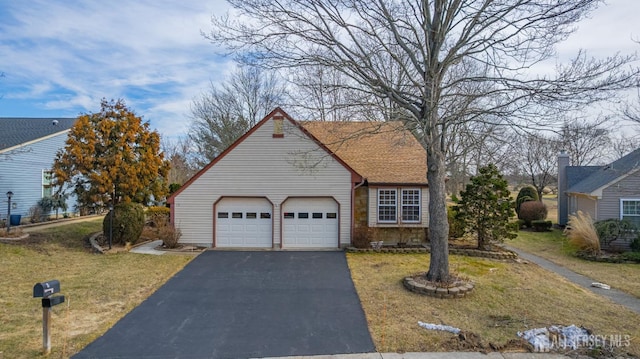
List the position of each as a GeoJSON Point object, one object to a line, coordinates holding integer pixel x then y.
{"type": "Point", "coordinates": [59, 58]}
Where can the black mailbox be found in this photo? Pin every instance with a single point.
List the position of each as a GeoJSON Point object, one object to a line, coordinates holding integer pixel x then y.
{"type": "Point", "coordinates": [46, 289]}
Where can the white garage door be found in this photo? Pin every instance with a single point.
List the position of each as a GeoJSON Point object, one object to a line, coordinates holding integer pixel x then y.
{"type": "Point", "coordinates": [244, 223]}
{"type": "Point", "coordinates": [310, 223]}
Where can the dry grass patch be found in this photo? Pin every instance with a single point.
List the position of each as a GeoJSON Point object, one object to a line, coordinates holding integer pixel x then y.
{"type": "Point", "coordinates": [556, 248]}
{"type": "Point", "coordinates": [581, 233]}
{"type": "Point", "coordinates": [99, 289]}
{"type": "Point", "coordinates": [509, 297]}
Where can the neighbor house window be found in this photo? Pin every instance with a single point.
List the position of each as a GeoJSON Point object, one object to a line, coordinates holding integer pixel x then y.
{"type": "Point", "coordinates": [411, 205]}
{"type": "Point", "coordinates": [47, 188]}
{"type": "Point", "coordinates": [387, 205]}
{"type": "Point", "coordinates": [630, 210]}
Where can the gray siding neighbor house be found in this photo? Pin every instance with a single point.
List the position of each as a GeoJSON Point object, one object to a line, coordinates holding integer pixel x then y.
{"type": "Point", "coordinates": [604, 192]}
{"type": "Point", "coordinates": [27, 150]}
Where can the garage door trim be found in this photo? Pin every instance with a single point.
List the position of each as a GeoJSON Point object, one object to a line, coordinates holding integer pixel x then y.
{"type": "Point", "coordinates": [215, 216]}
{"type": "Point", "coordinates": [282, 206]}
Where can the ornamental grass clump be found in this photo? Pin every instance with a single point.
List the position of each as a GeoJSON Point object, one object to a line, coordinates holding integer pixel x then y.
{"type": "Point", "coordinates": [582, 233]}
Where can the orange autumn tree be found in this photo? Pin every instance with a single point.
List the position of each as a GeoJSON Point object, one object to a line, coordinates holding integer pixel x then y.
{"type": "Point", "coordinates": [112, 154]}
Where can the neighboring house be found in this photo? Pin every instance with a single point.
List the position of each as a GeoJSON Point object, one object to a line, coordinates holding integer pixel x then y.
{"type": "Point", "coordinates": [287, 184]}
{"type": "Point", "coordinates": [604, 192]}
{"type": "Point", "coordinates": [27, 151]}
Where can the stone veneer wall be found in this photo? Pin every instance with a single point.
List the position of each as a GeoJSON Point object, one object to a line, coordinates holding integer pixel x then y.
{"type": "Point", "coordinates": [399, 234]}
{"type": "Point", "coordinates": [387, 234]}
{"type": "Point", "coordinates": [361, 206]}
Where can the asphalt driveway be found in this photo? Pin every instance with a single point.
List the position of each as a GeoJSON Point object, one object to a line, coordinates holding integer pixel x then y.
{"type": "Point", "coordinates": [228, 304]}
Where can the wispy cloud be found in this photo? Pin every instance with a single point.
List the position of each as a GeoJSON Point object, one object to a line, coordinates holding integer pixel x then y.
{"type": "Point", "coordinates": [63, 57]}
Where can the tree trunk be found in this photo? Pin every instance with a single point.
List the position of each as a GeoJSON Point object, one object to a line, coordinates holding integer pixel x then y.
{"type": "Point", "coordinates": [438, 223]}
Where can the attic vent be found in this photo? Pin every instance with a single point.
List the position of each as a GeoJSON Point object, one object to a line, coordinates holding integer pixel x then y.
{"type": "Point", "coordinates": [277, 127]}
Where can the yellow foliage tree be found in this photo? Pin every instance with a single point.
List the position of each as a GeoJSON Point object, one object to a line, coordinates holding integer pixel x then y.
{"type": "Point", "coordinates": [109, 155]}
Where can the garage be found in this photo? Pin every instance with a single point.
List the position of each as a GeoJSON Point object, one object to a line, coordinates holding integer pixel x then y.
{"type": "Point", "coordinates": [310, 223]}
{"type": "Point", "coordinates": [243, 223]}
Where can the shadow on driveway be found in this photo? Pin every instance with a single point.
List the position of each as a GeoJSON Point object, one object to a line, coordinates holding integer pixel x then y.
{"type": "Point", "coordinates": [245, 304]}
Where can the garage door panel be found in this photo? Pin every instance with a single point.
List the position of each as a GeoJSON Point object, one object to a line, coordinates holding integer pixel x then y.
{"type": "Point", "coordinates": [310, 223]}
{"type": "Point", "coordinates": [244, 222]}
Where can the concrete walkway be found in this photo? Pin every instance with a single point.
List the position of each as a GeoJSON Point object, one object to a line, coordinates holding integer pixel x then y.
{"type": "Point", "coordinates": [615, 295]}
{"type": "Point", "coordinates": [148, 248]}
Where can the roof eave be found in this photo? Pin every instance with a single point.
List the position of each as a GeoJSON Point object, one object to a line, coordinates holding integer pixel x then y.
{"type": "Point", "coordinates": [24, 144]}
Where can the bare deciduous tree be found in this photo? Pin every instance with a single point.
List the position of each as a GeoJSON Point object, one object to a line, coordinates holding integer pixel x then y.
{"type": "Point", "coordinates": [177, 152]}
{"type": "Point", "coordinates": [586, 142]}
{"type": "Point", "coordinates": [622, 145]}
{"type": "Point", "coordinates": [223, 114]}
{"type": "Point", "coordinates": [539, 160]}
{"type": "Point", "coordinates": [413, 54]}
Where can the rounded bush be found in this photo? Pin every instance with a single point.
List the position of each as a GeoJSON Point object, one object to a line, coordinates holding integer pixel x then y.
{"type": "Point", "coordinates": [532, 211]}
{"type": "Point", "coordinates": [128, 223]}
{"type": "Point", "coordinates": [526, 194]}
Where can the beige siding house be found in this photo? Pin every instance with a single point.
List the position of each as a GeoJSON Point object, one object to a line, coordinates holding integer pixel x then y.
{"type": "Point", "coordinates": [286, 184]}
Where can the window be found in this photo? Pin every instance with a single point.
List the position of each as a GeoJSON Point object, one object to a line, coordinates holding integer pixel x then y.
{"type": "Point", "coordinates": [47, 188]}
{"type": "Point", "coordinates": [317, 215]}
{"type": "Point", "coordinates": [223, 214]}
{"type": "Point", "coordinates": [332, 215]}
{"type": "Point", "coordinates": [289, 215]}
{"type": "Point", "coordinates": [303, 215]}
{"type": "Point", "coordinates": [236, 215]}
{"type": "Point", "coordinates": [265, 215]}
{"type": "Point", "coordinates": [252, 215]}
{"type": "Point", "coordinates": [411, 205]}
{"type": "Point", "coordinates": [387, 205]}
{"type": "Point", "coordinates": [630, 210]}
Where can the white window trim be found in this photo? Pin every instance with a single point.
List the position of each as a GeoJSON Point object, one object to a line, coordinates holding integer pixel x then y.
{"type": "Point", "coordinates": [42, 184]}
{"type": "Point", "coordinates": [622, 200]}
{"type": "Point", "coordinates": [395, 190]}
{"type": "Point", "coordinates": [402, 205]}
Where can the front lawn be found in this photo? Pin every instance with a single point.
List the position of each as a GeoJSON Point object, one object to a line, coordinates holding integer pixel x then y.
{"type": "Point", "coordinates": [509, 297]}
{"type": "Point", "coordinates": [555, 247]}
{"type": "Point", "coordinates": [99, 289]}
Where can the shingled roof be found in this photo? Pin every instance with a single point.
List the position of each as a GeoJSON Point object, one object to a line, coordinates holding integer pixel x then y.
{"type": "Point", "coordinates": [606, 174]}
{"type": "Point", "coordinates": [17, 131]}
{"type": "Point", "coordinates": [382, 152]}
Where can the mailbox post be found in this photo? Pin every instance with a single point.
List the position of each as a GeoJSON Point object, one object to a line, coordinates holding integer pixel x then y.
{"type": "Point", "coordinates": [46, 290]}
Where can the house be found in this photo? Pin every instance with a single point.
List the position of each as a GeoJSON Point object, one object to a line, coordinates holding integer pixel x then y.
{"type": "Point", "coordinates": [27, 151]}
{"type": "Point", "coordinates": [288, 184]}
{"type": "Point", "coordinates": [604, 192]}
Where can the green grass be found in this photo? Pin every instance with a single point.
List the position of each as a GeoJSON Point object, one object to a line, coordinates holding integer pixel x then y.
{"type": "Point", "coordinates": [509, 297]}
{"type": "Point", "coordinates": [99, 289]}
{"type": "Point", "coordinates": [555, 247]}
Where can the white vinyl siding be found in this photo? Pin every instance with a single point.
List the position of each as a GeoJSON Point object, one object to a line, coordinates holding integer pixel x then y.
{"type": "Point", "coordinates": [264, 166]}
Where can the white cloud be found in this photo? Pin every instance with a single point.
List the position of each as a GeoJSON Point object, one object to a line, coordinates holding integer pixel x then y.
{"type": "Point", "coordinates": [62, 57]}
{"type": "Point", "coordinates": [68, 55]}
